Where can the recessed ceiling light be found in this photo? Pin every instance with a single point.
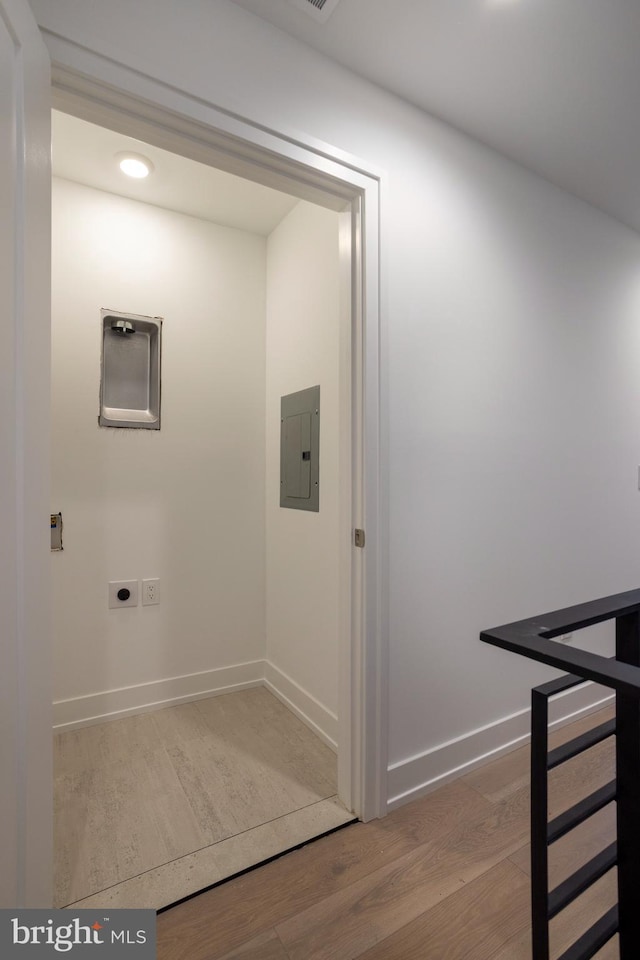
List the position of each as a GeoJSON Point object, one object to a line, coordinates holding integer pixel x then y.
{"type": "Point", "coordinates": [134, 165]}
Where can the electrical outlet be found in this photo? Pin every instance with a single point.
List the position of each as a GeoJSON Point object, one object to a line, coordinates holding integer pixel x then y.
{"type": "Point", "coordinates": [150, 592]}
{"type": "Point", "coordinates": [123, 593]}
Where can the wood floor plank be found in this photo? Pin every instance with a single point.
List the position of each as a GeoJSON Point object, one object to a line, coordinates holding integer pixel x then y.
{"type": "Point", "coordinates": [581, 776]}
{"type": "Point", "coordinates": [520, 949]}
{"type": "Point", "coordinates": [249, 905]}
{"type": "Point", "coordinates": [568, 926]}
{"type": "Point", "coordinates": [503, 777]}
{"type": "Point", "coordinates": [489, 912]}
{"type": "Point", "coordinates": [610, 951]}
{"type": "Point", "coordinates": [576, 848]}
{"type": "Point", "coordinates": [351, 921]}
{"type": "Point", "coordinates": [442, 878]}
{"type": "Point", "coordinates": [265, 947]}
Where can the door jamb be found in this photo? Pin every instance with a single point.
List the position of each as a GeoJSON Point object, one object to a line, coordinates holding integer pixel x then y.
{"type": "Point", "coordinates": [108, 93]}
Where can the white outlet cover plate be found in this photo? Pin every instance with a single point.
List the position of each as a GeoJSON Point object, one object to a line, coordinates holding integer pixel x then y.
{"type": "Point", "coordinates": [130, 585]}
{"type": "Point", "coordinates": [150, 592]}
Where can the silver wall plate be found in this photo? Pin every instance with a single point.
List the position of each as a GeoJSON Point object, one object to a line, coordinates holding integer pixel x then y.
{"type": "Point", "coordinates": [130, 370]}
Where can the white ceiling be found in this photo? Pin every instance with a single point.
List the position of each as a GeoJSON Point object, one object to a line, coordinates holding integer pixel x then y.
{"type": "Point", "coordinates": [553, 84]}
{"type": "Point", "coordinates": [86, 153]}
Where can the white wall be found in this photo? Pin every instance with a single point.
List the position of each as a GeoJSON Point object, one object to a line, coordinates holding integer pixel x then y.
{"type": "Point", "coordinates": [186, 503]}
{"type": "Point", "coordinates": [511, 366]}
{"type": "Point", "coordinates": [302, 601]}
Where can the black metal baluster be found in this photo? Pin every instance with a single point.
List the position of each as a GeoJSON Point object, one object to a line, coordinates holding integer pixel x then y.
{"type": "Point", "coordinates": [539, 849]}
{"type": "Point", "coordinates": [628, 788]}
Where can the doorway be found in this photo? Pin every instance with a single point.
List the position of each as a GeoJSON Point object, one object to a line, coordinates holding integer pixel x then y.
{"type": "Point", "coordinates": [249, 593]}
{"type": "Point", "coordinates": [106, 92]}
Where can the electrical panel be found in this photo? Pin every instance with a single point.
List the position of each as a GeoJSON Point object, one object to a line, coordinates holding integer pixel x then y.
{"type": "Point", "coordinates": [56, 532]}
{"type": "Point", "coordinates": [300, 450]}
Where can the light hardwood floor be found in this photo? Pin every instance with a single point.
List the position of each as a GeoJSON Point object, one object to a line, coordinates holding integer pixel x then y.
{"type": "Point", "coordinates": [442, 878]}
{"type": "Point", "coordinates": [151, 808]}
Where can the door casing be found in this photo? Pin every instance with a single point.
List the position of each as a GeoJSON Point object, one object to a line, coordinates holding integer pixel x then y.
{"type": "Point", "coordinates": [26, 807]}
{"type": "Point", "coordinates": [110, 94]}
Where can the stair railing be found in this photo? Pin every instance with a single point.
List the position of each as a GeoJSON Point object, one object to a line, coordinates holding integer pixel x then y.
{"type": "Point", "coordinates": [533, 638]}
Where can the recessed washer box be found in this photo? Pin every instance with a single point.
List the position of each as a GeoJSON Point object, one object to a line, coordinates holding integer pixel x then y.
{"type": "Point", "coordinates": [130, 371]}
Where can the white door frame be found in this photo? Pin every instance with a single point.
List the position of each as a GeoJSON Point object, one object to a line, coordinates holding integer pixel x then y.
{"type": "Point", "coordinates": [26, 807]}
{"type": "Point", "coordinates": [109, 93]}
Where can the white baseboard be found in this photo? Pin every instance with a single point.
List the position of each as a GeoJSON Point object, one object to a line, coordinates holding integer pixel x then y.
{"type": "Point", "coordinates": [144, 697]}
{"type": "Point", "coordinates": [141, 698]}
{"type": "Point", "coordinates": [419, 775]}
{"type": "Point", "coordinates": [323, 723]}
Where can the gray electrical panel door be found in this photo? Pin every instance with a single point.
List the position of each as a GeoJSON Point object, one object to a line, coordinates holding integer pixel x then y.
{"type": "Point", "coordinates": [300, 450]}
